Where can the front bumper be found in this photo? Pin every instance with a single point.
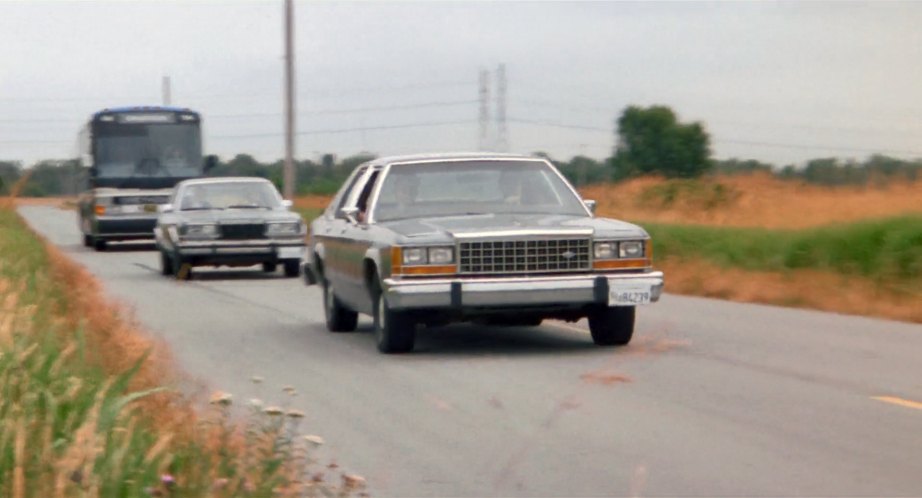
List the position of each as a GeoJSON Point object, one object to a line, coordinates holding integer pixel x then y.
{"type": "Point", "coordinates": [506, 292]}
{"type": "Point", "coordinates": [124, 227]}
{"type": "Point", "coordinates": [241, 250]}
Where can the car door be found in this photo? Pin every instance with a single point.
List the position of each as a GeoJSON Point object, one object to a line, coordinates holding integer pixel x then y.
{"type": "Point", "coordinates": [339, 249]}
{"type": "Point", "coordinates": [354, 243]}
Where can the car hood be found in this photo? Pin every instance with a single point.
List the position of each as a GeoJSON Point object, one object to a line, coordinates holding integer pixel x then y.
{"type": "Point", "coordinates": [237, 216]}
{"type": "Point", "coordinates": [447, 228]}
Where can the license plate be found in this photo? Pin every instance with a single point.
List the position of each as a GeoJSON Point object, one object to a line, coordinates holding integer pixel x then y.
{"type": "Point", "coordinates": [628, 294]}
{"type": "Point", "coordinates": [131, 208]}
{"type": "Point", "coordinates": [150, 208]}
{"type": "Point", "coordinates": [290, 252]}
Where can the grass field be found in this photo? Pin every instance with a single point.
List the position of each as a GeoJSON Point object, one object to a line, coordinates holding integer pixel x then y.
{"type": "Point", "coordinates": [87, 407]}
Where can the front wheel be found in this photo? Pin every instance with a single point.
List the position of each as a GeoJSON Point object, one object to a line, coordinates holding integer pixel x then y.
{"type": "Point", "coordinates": [269, 267]}
{"type": "Point", "coordinates": [88, 240]}
{"type": "Point", "coordinates": [99, 244]}
{"type": "Point", "coordinates": [166, 263]}
{"type": "Point", "coordinates": [292, 268]}
{"type": "Point", "coordinates": [182, 270]}
{"type": "Point", "coordinates": [339, 319]}
{"type": "Point", "coordinates": [395, 331]}
{"type": "Point", "coordinates": [612, 326]}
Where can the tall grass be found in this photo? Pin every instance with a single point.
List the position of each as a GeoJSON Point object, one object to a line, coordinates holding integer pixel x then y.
{"type": "Point", "coordinates": [74, 422]}
{"type": "Point", "coordinates": [886, 249]}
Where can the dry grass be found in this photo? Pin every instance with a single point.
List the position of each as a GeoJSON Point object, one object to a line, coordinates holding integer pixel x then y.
{"type": "Point", "coordinates": [757, 200]}
{"type": "Point", "coordinates": [812, 289]}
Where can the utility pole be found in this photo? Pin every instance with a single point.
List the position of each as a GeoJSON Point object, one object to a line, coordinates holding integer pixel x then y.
{"type": "Point", "coordinates": [289, 169]}
{"type": "Point", "coordinates": [166, 90]}
{"type": "Point", "coordinates": [502, 141]}
{"type": "Point", "coordinates": [484, 93]}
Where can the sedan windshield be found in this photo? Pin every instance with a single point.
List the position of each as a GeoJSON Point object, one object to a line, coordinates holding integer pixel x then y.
{"type": "Point", "coordinates": [474, 187]}
{"type": "Point", "coordinates": [230, 195]}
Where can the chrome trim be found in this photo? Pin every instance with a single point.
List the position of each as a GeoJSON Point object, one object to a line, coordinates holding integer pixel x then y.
{"type": "Point", "coordinates": [508, 291]}
{"type": "Point", "coordinates": [296, 242]}
{"type": "Point", "coordinates": [544, 232]}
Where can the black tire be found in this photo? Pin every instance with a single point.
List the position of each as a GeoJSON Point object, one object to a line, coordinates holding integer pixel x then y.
{"type": "Point", "coordinates": [612, 326]}
{"type": "Point", "coordinates": [99, 244]}
{"type": "Point", "coordinates": [395, 331]}
{"type": "Point", "coordinates": [182, 270]}
{"type": "Point", "coordinates": [269, 267]}
{"type": "Point", "coordinates": [339, 319]}
{"type": "Point", "coordinates": [88, 240]}
{"type": "Point", "coordinates": [166, 263]}
{"type": "Point", "coordinates": [292, 268]}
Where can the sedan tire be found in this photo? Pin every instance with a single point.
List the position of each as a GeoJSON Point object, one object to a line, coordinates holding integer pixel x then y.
{"type": "Point", "coordinates": [339, 319]}
{"type": "Point", "coordinates": [292, 268]}
{"type": "Point", "coordinates": [269, 267]}
{"type": "Point", "coordinates": [612, 326]}
{"type": "Point", "coordinates": [166, 263]}
{"type": "Point", "coordinates": [395, 331]}
{"type": "Point", "coordinates": [182, 270]}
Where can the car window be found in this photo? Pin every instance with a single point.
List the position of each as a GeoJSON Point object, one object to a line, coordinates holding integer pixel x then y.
{"type": "Point", "coordinates": [465, 187]}
{"type": "Point", "coordinates": [346, 192]}
{"type": "Point", "coordinates": [230, 195]}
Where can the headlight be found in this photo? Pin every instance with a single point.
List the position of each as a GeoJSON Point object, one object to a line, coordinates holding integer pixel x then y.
{"type": "Point", "coordinates": [428, 255]}
{"type": "Point", "coordinates": [273, 229]}
{"type": "Point", "coordinates": [441, 255]}
{"type": "Point", "coordinates": [414, 256]}
{"type": "Point", "coordinates": [604, 250]}
{"type": "Point", "coordinates": [631, 249]}
{"type": "Point", "coordinates": [201, 230]}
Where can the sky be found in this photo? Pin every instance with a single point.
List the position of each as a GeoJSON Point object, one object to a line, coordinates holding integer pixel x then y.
{"type": "Point", "coordinates": [780, 82]}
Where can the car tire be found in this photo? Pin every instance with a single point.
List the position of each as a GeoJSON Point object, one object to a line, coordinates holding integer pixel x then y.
{"type": "Point", "coordinates": [292, 268]}
{"type": "Point", "coordinates": [99, 244]}
{"type": "Point", "coordinates": [395, 331]}
{"type": "Point", "coordinates": [166, 263]}
{"type": "Point", "coordinates": [182, 270]}
{"type": "Point", "coordinates": [88, 240]}
{"type": "Point", "coordinates": [612, 326]}
{"type": "Point", "coordinates": [339, 319]}
{"type": "Point", "coordinates": [269, 267]}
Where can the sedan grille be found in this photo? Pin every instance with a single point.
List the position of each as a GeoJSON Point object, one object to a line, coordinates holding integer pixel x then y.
{"type": "Point", "coordinates": [243, 231]}
{"type": "Point", "coordinates": [525, 256]}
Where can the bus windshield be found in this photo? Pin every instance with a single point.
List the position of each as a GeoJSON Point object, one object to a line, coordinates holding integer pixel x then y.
{"type": "Point", "coordinates": [148, 150]}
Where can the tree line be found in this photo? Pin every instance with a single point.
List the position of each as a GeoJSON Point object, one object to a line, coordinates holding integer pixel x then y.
{"type": "Point", "coordinates": [649, 140]}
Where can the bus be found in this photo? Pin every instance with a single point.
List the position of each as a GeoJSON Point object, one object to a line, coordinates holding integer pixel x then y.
{"type": "Point", "coordinates": [133, 158]}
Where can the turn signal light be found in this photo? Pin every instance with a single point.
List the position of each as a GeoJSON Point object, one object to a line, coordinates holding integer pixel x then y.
{"type": "Point", "coordinates": [99, 210]}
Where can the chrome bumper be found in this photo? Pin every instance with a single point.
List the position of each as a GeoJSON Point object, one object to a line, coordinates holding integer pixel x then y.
{"type": "Point", "coordinates": [283, 249]}
{"type": "Point", "coordinates": [408, 293]}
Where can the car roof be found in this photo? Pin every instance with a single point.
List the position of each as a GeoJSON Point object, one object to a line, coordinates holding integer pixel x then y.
{"type": "Point", "coordinates": [224, 179]}
{"type": "Point", "coordinates": [451, 156]}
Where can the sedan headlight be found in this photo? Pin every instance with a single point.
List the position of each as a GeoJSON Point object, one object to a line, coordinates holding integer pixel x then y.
{"type": "Point", "coordinates": [610, 249]}
{"type": "Point", "coordinates": [630, 249]}
{"type": "Point", "coordinates": [428, 255]}
{"type": "Point", "coordinates": [290, 228]}
{"type": "Point", "coordinates": [204, 230]}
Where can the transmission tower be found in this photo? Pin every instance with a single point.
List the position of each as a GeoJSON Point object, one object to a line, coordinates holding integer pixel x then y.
{"type": "Point", "coordinates": [484, 91]}
{"type": "Point", "coordinates": [502, 141]}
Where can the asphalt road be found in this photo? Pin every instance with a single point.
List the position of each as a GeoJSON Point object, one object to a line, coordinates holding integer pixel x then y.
{"type": "Point", "coordinates": [712, 398]}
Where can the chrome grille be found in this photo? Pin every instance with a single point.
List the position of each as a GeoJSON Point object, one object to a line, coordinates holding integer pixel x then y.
{"type": "Point", "coordinates": [239, 231]}
{"type": "Point", "coordinates": [524, 256]}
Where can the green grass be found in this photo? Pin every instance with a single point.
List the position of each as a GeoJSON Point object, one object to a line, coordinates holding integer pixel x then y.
{"type": "Point", "coordinates": [881, 249]}
{"type": "Point", "coordinates": [69, 428]}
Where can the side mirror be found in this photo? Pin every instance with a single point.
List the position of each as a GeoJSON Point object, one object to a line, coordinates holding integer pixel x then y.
{"type": "Point", "coordinates": [351, 214]}
{"type": "Point", "coordinates": [211, 161]}
{"type": "Point", "coordinates": [286, 203]}
{"type": "Point", "coordinates": [590, 204]}
{"type": "Point", "coordinates": [164, 208]}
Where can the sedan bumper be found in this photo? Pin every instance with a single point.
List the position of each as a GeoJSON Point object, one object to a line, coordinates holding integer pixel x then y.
{"type": "Point", "coordinates": [124, 227]}
{"type": "Point", "coordinates": [241, 250]}
{"type": "Point", "coordinates": [463, 293]}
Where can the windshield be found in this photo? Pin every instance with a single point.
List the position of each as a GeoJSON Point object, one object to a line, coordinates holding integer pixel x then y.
{"type": "Point", "coordinates": [474, 187]}
{"type": "Point", "coordinates": [148, 150]}
{"type": "Point", "coordinates": [230, 195]}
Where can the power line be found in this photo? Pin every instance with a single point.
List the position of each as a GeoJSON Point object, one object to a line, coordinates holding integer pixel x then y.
{"type": "Point", "coordinates": [345, 130]}
{"type": "Point", "coordinates": [423, 105]}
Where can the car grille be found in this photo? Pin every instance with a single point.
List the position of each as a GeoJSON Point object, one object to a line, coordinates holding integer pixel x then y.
{"type": "Point", "coordinates": [524, 256]}
{"type": "Point", "coordinates": [139, 200]}
{"type": "Point", "coordinates": [239, 231]}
